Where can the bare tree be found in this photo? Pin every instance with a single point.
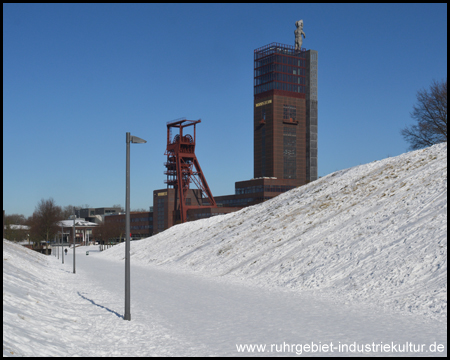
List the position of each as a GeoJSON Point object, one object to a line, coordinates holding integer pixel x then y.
{"type": "Point", "coordinates": [44, 219]}
{"type": "Point", "coordinates": [431, 116]}
{"type": "Point", "coordinates": [98, 233]}
{"type": "Point", "coordinates": [34, 230]}
{"type": "Point", "coordinates": [18, 219]}
{"type": "Point", "coordinates": [13, 227]}
{"type": "Point", "coordinates": [118, 206]}
{"type": "Point", "coordinates": [117, 230]}
{"type": "Point", "coordinates": [68, 210]}
{"type": "Point", "coordinates": [107, 231]}
{"type": "Point", "coordinates": [139, 210]}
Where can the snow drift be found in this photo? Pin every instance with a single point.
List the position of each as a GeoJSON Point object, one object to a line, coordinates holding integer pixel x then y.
{"type": "Point", "coordinates": [374, 233]}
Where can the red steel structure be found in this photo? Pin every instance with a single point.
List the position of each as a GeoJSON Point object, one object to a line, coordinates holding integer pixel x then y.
{"type": "Point", "coordinates": [183, 167]}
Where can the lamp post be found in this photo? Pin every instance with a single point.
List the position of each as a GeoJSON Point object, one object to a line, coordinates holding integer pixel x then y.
{"type": "Point", "coordinates": [134, 140]}
{"type": "Point", "coordinates": [62, 243]}
{"type": "Point", "coordinates": [73, 236]}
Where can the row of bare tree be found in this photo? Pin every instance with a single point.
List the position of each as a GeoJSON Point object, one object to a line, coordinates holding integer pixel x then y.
{"type": "Point", "coordinates": [43, 224]}
{"type": "Point", "coordinates": [109, 231]}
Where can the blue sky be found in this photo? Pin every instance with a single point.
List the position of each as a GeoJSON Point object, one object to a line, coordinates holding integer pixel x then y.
{"type": "Point", "coordinates": [77, 77]}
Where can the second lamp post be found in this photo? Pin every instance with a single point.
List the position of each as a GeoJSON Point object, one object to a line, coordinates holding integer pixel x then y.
{"type": "Point", "coordinates": [134, 140]}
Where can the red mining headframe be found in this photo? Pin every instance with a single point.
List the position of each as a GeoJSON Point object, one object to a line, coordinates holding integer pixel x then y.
{"type": "Point", "coordinates": [181, 161]}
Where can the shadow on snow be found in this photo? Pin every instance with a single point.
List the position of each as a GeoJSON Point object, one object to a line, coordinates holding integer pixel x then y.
{"type": "Point", "coordinates": [101, 306]}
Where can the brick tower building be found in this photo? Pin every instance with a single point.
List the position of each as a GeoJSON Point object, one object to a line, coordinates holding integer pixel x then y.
{"type": "Point", "coordinates": [285, 114]}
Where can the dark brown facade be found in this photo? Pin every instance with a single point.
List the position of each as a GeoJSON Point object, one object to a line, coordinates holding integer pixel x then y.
{"type": "Point", "coordinates": [166, 211]}
{"type": "Point", "coordinates": [282, 129]}
{"type": "Point", "coordinates": [141, 223]}
{"type": "Point", "coordinates": [280, 138]}
{"type": "Point", "coordinates": [254, 191]}
{"type": "Point", "coordinates": [166, 207]}
{"type": "Point", "coordinates": [196, 214]}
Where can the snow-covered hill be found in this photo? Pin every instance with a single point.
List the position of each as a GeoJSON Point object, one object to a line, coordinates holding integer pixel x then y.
{"type": "Point", "coordinates": [374, 233]}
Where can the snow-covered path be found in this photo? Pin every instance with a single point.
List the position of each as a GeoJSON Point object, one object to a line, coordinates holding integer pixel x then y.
{"type": "Point", "coordinates": [195, 315]}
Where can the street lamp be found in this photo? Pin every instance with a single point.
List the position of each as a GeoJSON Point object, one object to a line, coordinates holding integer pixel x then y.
{"type": "Point", "coordinates": [73, 236]}
{"type": "Point", "coordinates": [134, 140]}
{"type": "Point", "coordinates": [62, 242]}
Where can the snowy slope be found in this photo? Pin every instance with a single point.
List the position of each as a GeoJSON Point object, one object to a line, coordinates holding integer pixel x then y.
{"type": "Point", "coordinates": [28, 300]}
{"type": "Point", "coordinates": [375, 233]}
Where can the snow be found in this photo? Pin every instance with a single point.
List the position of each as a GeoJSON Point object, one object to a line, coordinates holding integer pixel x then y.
{"type": "Point", "coordinates": [78, 222]}
{"type": "Point", "coordinates": [19, 227]}
{"type": "Point", "coordinates": [356, 257]}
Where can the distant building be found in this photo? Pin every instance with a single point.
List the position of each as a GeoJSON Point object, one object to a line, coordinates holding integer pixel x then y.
{"type": "Point", "coordinates": [165, 204]}
{"type": "Point", "coordinates": [285, 114]}
{"type": "Point", "coordinates": [141, 223]}
{"type": "Point", "coordinates": [284, 124]}
{"type": "Point", "coordinates": [96, 214]}
{"type": "Point", "coordinates": [83, 230]}
{"type": "Point", "coordinates": [254, 191]}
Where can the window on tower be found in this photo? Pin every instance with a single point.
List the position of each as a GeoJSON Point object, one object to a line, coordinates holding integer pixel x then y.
{"type": "Point", "coordinates": [289, 153]}
{"type": "Point", "coordinates": [289, 112]}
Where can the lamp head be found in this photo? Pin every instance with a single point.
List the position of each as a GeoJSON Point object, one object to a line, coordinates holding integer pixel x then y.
{"type": "Point", "coordinates": [137, 140]}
